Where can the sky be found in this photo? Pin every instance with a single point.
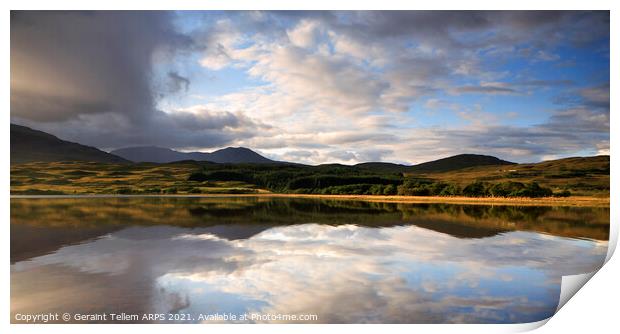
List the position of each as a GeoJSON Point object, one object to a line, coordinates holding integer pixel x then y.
{"type": "Point", "coordinates": [321, 86]}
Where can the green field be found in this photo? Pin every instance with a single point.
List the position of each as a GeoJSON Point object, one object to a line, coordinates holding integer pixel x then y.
{"type": "Point", "coordinates": [566, 177]}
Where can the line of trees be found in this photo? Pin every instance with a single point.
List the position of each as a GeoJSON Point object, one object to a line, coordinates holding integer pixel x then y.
{"type": "Point", "coordinates": [476, 189]}
{"type": "Point", "coordinates": [288, 181]}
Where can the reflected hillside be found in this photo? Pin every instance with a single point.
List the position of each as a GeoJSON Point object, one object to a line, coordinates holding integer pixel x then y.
{"type": "Point", "coordinates": [40, 225]}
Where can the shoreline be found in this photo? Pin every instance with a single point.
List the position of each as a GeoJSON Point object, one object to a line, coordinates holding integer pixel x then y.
{"type": "Point", "coordinates": [576, 201]}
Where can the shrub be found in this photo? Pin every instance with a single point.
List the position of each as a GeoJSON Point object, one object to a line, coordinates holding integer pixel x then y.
{"type": "Point", "coordinates": [563, 193]}
{"type": "Point", "coordinates": [124, 191]}
{"type": "Point", "coordinates": [450, 190]}
{"type": "Point", "coordinates": [349, 189]}
{"type": "Point", "coordinates": [504, 189]}
{"type": "Point", "coordinates": [532, 189]}
{"type": "Point", "coordinates": [197, 176]}
{"type": "Point", "coordinates": [390, 189]}
{"type": "Point", "coordinates": [476, 189]}
{"type": "Point", "coordinates": [376, 189]}
{"type": "Point", "coordinates": [223, 175]}
{"type": "Point", "coordinates": [436, 188]}
{"type": "Point", "coordinates": [172, 190]}
{"type": "Point", "coordinates": [325, 181]}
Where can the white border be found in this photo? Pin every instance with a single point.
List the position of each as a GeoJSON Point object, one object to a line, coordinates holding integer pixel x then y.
{"type": "Point", "coordinates": [593, 309]}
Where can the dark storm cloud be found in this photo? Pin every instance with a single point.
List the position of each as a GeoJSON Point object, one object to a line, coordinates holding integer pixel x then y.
{"type": "Point", "coordinates": [88, 77]}
{"type": "Point", "coordinates": [78, 59]}
{"type": "Point", "coordinates": [176, 130]}
{"type": "Point", "coordinates": [177, 83]}
{"type": "Point", "coordinates": [42, 107]}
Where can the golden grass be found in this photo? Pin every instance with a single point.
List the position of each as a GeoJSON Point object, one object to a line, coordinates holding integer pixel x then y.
{"type": "Point", "coordinates": [80, 178]}
{"type": "Point", "coordinates": [575, 201]}
{"type": "Point", "coordinates": [581, 201]}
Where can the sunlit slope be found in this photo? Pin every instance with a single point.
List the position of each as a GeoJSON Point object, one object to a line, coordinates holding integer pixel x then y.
{"type": "Point", "coordinates": [580, 175]}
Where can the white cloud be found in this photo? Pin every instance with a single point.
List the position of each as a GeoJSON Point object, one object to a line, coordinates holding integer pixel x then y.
{"type": "Point", "coordinates": [305, 33]}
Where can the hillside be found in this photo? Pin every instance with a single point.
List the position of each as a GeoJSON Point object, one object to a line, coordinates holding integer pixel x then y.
{"type": "Point", "coordinates": [28, 145]}
{"type": "Point", "coordinates": [384, 167]}
{"type": "Point", "coordinates": [455, 162]}
{"type": "Point", "coordinates": [588, 176]}
{"type": "Point", "coordinates": [44, 164]}
{"type": "Point", "coordinates": [580, 175]}
{"type": "Point", "coordinates": [166, 155]}
{"type": "Point", "coordinates": [458, 162]}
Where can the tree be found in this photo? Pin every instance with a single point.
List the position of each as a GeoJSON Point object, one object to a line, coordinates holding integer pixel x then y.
{"type": "Point", "coordinates": [504, 189]}
{"type": "Point", "coordinates": [390, 189]}
{"type": "Point", "coordinates": [476, 189]}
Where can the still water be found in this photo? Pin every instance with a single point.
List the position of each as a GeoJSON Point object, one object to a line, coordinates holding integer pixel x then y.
{"type": "Point", "coordinates": [199, 259]}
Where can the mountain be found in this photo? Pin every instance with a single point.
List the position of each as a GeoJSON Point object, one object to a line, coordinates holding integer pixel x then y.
{"type": "Point", "coordinates": [234, 155]}
{"type": "Point", "coordinates": [28, 145]}
{"type": "Point", "coordinates": [150, 154]}
{"type": "Point", "coordinates": [442, 165]}
{"type": "Point", "coordinates": [385, 167]}
{"type": "Point", "coordinates": [164, 155]}
{"type": "Point", "coordinates": [458, 162]}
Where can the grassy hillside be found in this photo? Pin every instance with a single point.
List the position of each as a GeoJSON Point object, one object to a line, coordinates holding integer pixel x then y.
{"type": "Point", "coordinates": [579, 176]}
{"type": "Point", "coordinates": [28, 145]}
{"type": "Point", "coordinates": [97, 178]}
{"type": "Point", "coordinates": [459, 162]}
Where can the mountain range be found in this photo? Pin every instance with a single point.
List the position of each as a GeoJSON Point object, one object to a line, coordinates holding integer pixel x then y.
{"type": "Point", "coordinates": [165, 155]}
{"type": "Point", "coordinates": [29, 145]}
{"type": "Point", "coordinates": [455, 162]}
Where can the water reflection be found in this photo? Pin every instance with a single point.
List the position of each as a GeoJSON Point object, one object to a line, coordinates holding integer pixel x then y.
{"type": "Point", "coordinates": [346, 262]}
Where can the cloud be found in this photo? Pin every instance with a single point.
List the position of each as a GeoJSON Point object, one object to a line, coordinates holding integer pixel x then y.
{"type": "Point", "coordinates": [566, 132]}
{"type": "Point", "coordinates": [337, 86]}
{"type": "Point", "coordinates": [177, 82]}
{"type": "Point", "coordinates": [545, 83]}
{"type": "Point", "coordinates": [597, 96]}
{"type": "Point", "coordinates": [88, 77]}
{"type": "Point", "coordinates": [304, 34]}
{"type": "Point", "coordinates": [487, 89]}
{"type": "Point", "coordinates": [79, 59]}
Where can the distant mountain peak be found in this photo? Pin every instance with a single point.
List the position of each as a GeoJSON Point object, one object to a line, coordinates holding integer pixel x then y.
{"type": "Point", "coordinates": [459, 161]}
{"type": "Point", "coordinates": [165, 155]}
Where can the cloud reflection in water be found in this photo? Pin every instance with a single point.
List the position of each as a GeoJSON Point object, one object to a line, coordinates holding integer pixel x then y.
{"type": "Point", "coordinates": [344, 273]}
